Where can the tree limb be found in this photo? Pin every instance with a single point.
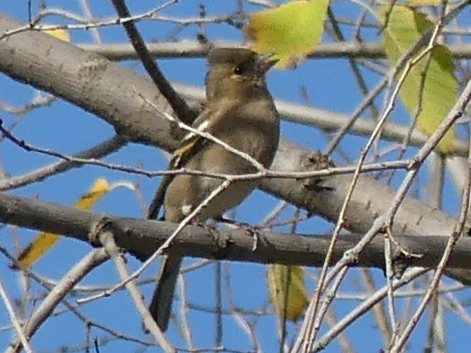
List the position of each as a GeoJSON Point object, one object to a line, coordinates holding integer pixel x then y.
{"type": "Point", "coordinates": [143, 237]}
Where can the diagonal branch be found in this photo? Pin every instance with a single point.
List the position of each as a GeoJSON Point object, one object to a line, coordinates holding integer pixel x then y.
{"type": "Point", "coordinates": [177, 103]}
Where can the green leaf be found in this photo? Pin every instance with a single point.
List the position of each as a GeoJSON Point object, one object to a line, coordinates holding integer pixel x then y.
{"type": "Point", "coordinates": [430, 88]}
{"type": "Point", "coordinates": [290, 31]}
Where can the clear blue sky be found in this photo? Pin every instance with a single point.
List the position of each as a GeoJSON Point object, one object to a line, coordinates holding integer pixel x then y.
{"type": "Point", "coordinates": [63, 127]}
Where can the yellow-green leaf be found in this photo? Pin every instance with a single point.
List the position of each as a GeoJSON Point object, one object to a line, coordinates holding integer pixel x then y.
{"type": "Point", "coordinates": [44, 240]}
{"type": "Point", "coordinates": [58, 33]}
{"type": "Point", "coordinates": [290, 31]}
{"type": "Point", "coordinates": [430, 88]}
{"type": "Point", "coordinates": [281, 280]}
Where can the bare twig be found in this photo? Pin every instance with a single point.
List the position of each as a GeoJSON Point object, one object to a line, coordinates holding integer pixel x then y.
{"type": "Point", "coordinates": [22, 337]}
{"type": "Point", "coordinates": [106, 238]}
{"type": "Point", "coordinates": [44, 310]}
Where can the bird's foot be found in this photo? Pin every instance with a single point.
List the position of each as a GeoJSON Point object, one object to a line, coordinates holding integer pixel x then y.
{"type": "Point", "coordinates": [254, 231]}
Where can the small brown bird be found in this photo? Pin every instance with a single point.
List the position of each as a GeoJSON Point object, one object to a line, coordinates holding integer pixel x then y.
{"type": "Point", "coordinates": [241, 113]}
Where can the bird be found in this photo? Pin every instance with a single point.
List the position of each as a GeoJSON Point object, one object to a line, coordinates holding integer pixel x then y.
{"type": "Point", "coordinates": [240, 112]}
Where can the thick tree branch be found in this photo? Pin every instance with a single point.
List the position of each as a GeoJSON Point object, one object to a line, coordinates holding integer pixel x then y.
{"type": "Point", "coordinates": [225, 244]}
{"type": "Point", "coordinates": [115, 95]}
{"type": "Point", "coordinates": [86, 80]}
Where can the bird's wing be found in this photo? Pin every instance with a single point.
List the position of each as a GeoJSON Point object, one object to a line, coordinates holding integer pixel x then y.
{"type": "Point", "coordinates": [189, 146]}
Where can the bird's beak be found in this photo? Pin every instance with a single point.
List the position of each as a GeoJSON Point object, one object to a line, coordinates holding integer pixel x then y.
{"type": "Point", "coordinates": [266, 62]}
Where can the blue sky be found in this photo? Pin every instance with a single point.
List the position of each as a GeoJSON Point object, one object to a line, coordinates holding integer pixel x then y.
{"type": "Point", "coordinates": [63, 127]}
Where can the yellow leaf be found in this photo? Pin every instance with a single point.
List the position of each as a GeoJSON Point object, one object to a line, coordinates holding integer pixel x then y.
{"type": "Point", "coordinates": [34, 250]}
{"type": "Point", "coordinates": [44, 240]}
{"type": "Point", "coordinates": [430, 88]}
{"type": "Point", "coordinates": [289, 31]}
{"type": "Point", "coordinates": [99, 188]}
{"type": "Point", "coordinates": [58, 33]}
{"type": "Point", "coordinates": [283, 279]}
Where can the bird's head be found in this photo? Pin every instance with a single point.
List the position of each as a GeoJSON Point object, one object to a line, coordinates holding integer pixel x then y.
{"type": "Point", "coordinates": [236, 72]}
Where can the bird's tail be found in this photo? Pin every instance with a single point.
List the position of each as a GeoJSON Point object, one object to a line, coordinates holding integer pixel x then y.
{"type": "Point", "coordinates": [161, 304]}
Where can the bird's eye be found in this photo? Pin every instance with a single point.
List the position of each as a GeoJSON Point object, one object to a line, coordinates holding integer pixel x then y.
{"type": "Point", "coordinates": [238, 70]}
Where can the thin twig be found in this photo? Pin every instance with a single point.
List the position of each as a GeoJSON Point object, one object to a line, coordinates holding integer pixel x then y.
{"type": "Point", "coordinates": [63, 287]}
{"type": "Point", "coordinates": [106, 238]}
{"type": "Point", "coordinates": [22, 335]}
